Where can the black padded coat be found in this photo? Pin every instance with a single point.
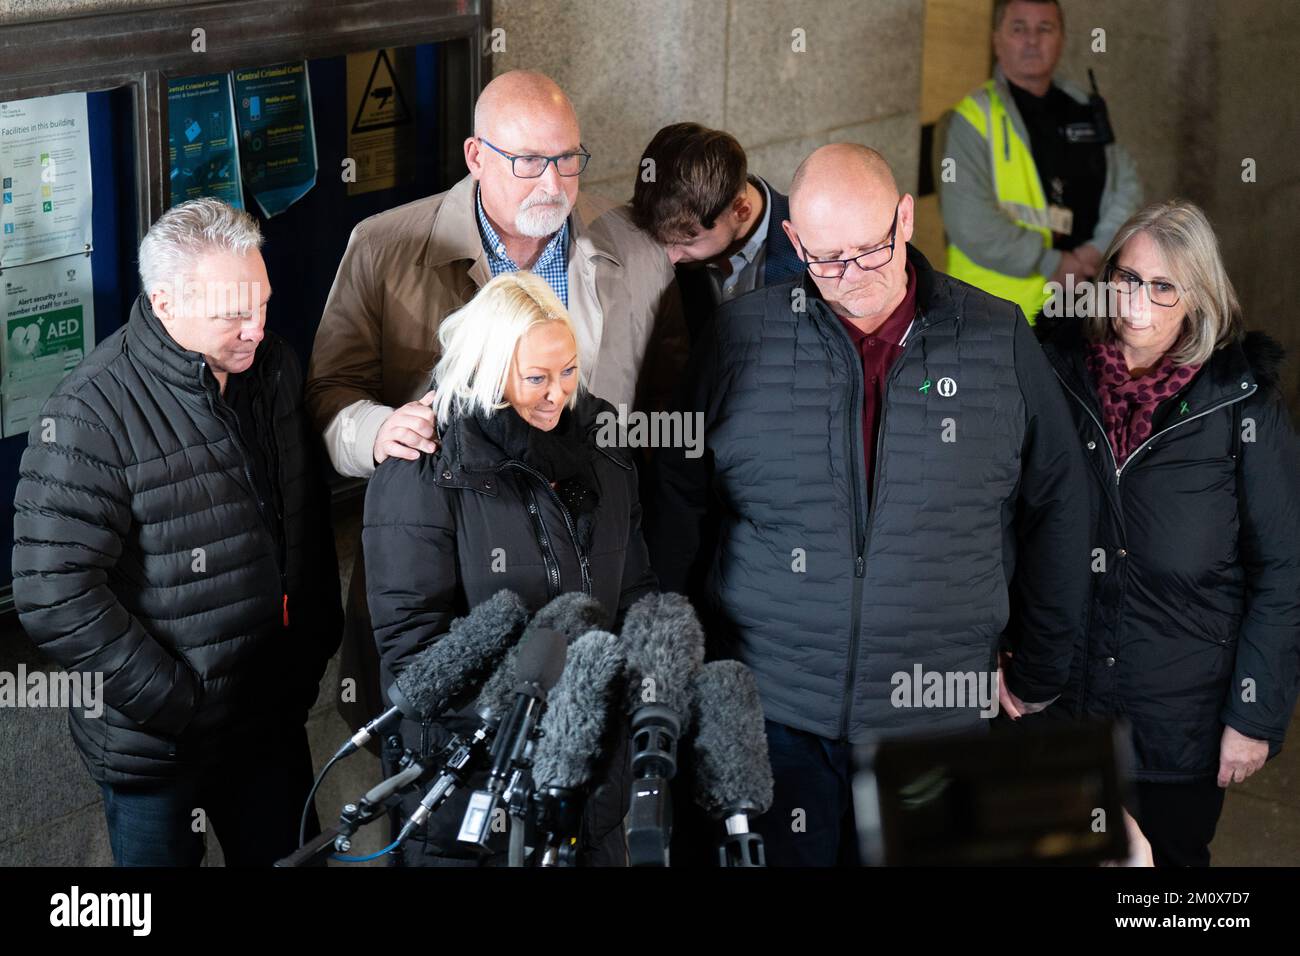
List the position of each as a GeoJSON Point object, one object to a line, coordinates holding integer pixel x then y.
{"type": "Point", "coordinates": [1195, 612]}
{"type": "Point", "coordinates": [143, 551]}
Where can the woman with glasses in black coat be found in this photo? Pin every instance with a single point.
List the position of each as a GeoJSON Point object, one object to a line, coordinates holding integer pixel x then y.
{"type": "Point", "coordinates": [1194, 630]}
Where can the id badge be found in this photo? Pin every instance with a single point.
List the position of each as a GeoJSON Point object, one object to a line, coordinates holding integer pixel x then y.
{"type": "Point", "coordinates": [1060, 219]}
{"type": "Point", "coordinates": [1082, 133]}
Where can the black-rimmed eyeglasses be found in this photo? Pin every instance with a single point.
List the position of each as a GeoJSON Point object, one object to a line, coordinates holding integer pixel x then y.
{"type": "Point", "coordinates": [1159, 291]}
{"type": "Point", "coordinates": [532, 167]}
{"type": "Point", "coordinates": [867, 261]}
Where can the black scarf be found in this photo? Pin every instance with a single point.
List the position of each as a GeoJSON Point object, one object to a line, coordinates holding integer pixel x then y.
{"type": "Point", "coordinates": [562, 455]}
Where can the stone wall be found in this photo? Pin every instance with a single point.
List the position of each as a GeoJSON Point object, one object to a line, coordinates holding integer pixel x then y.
{"type": "Point", "coordinates": [632, 67]}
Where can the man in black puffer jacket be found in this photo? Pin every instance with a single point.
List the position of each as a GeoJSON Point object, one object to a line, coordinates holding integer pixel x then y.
{"type": "Point", "coordinates": [173, 535]}
{"type": "Point", "coordinates": [897, 491]}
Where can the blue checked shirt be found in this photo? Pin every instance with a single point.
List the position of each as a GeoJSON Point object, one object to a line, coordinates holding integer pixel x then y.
{"type": "Point", "coordinates": [552, 265]}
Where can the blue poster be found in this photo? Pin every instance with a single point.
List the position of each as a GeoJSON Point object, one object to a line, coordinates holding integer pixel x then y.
{"type": "Point", "coordinates": [201, 136]}
{"type": "Point", "coordinates": [277, 135]}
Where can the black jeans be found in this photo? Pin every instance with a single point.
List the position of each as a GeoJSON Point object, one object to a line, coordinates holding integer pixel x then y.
{"type": "Point", "coordinates": [1179, 819]}
{"type": "Point", "coordinates": [811, 822]}
{"type": "Point", "coordinates": [253, 799]}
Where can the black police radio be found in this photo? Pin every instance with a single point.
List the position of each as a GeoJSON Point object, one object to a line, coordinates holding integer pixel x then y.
{"type": "Point", "coordinates": [1098, 130]}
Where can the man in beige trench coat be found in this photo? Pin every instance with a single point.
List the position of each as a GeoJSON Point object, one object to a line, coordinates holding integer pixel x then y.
{"type": "Point", "coordinates": [406, 269]}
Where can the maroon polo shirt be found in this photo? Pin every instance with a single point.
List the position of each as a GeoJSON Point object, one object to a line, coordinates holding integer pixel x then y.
{"type": "Point", "coordinates": [879, 351]}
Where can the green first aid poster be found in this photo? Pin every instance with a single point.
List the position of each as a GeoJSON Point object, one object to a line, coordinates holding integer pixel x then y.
{"type": "Point", "coordinates": [49, 324]}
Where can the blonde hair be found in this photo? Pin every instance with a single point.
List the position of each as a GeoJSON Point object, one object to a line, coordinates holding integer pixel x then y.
{"type": "Point", "coordinates": [479, 340]}
{"type": "Point", "coordinates": [1185, 237]}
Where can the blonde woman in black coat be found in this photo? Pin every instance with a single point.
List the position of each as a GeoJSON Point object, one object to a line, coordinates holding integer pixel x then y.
{"type": "Point", "coordinates": [521, 495]}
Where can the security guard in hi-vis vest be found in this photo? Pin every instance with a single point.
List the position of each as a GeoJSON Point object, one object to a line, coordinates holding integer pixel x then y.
{"type": "Point", "coordinates": [1032, 184]}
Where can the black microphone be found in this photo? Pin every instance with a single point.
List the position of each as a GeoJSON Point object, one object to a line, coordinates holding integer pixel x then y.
{"type": "Point", "coordinates": [571, 614]}
{"type": "Point", "coordinates": [733, 775]}
{"type": "Point", "coordinates": [541, 661]}
{"type": "Point", "coordinates": [664, 644]}
{"type": "Point", "coordinates": [453, 663]}
{"type": "Point", "coordinates": [573, 729]}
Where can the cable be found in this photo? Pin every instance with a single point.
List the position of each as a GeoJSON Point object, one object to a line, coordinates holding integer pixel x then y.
{"type": "Point", "coordinates": [365, 859]}
{"type": "Point", "coordinates": [302, 824]}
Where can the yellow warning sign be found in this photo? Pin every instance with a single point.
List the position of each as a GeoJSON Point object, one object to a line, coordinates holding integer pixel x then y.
{"type": "Point", "coordinates": [381, 141]}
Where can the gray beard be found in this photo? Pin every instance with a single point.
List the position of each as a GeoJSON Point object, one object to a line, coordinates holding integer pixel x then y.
{"type": "Point", "coordinates": [541, 220]}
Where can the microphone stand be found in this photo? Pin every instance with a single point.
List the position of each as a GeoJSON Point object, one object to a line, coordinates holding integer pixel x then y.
{"type": "Point", "coordinates": [354, 816]}
{"type": "Point", "coordinates": [557, 813]}
{"type": "Point", "coordinates": [740, 847]}
{"type": "Point", "coordinates": [655, 729]}
{"type": "Point", "coordinates": [518, 798]}
{"type": "Point", "coordinates": [376, 803]}
{"type": "Point", "coordinates": [455, 771]}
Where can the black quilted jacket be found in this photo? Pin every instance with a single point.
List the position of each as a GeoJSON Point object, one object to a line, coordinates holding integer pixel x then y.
{"type": "Point", "coordinates": [978, 532]}
{"type": "Point", "coordinates": [141, 552]}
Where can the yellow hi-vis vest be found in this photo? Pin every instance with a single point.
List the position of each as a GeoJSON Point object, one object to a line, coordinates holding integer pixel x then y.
{"type": "Point", "coordinates": [1019, 192]}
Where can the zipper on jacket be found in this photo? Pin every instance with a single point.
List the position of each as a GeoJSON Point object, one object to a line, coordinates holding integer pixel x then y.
{"type": "Point", "coordinates": [1182, 421]}
{"type": "Point", "coordinates": [857, 532]}
{"type": "Point", "coordinates": [1114, 499]}
{"type": "Point", "coordinates": [544, 542]}
{"type": "Point", "coordinates": [278, 483]}
{"type": "Point", "coordinates": [862, 528]}
{"type": "Point", "coordinates": [1119, 469]}
{"type": "Point", "coordinates": [871, 514]}
{"type": "Point", "coordinates": [583, 562]}
{"type": "Point", "coordinates": [895, 370]}
{"type": "Point", "coordinates": [237, 440]}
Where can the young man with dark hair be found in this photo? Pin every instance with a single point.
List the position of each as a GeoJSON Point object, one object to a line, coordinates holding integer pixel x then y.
{"type": "Point", "coordinates": [720, 225]}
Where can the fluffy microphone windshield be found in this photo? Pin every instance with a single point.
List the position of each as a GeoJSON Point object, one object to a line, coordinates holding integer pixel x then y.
{"type": "Point", "coordinates": [732, 769]}
{"type": "Point", "coordinates": [578, 712]}
{"type": "Point", "coordinates": [664, 644]}
{"type": "Point", "coordinates": [572, 614]}
{"type": "Point", "coordinates": [462, 657]}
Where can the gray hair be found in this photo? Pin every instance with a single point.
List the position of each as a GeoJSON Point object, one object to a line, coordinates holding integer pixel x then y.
{"type": "Point", "coordinates": [1186, 239]}
{"type": "Point", "coordinates": [189, 230]}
